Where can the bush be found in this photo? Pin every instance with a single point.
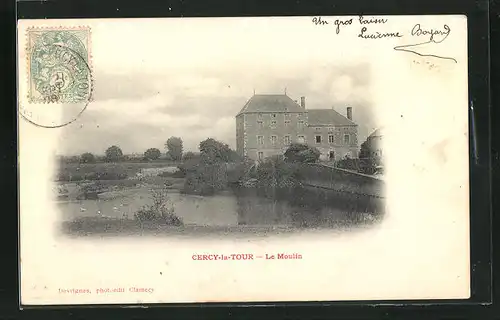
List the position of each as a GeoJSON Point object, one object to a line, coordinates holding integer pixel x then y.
{"type": "Point", "coordinates": [87, 157]}
{"type": "Point", "coordinates": [276, 173]}
{"type": "Point", "coordinates": [152, 154]}
{"type": "Point", "coordinates": [301, 153]}
{"type": "Point", "coordinates": [177, 174]}
{"type": "Point", "coordinates": [190, 155]}
{"type": "Point", "coordinates": [160, 211]}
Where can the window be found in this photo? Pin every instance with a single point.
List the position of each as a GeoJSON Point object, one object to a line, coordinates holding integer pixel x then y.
{"type": "Point", "coordinates": [286, 140]}
{"type": "Point", "coordinates": [301, 139]}
{"type": "Point", "coordinates": [287, 116]}
{"type": "Point", "coordinates": [330, 129]}
{"type": "Point", "coordinates": [317, 129]}
{"type": "Point", "coordinates": [301, 124]}
{"type": "Point", "coordinates": [318, 139]}
{"type": "Point", "coordinates": [274, 115]}
{"type": "Point", "coordinates": [273, 140]}
{"type": "Point", "coordinates": [260, 115]}
{"type": "Point", "coordinates": [287, 123]}
{"type": "Point", "coordinates": [331, 138]}
{"type": "Point", "coordinates": [346, 139]}
{"type": "Point", "coordinates": [260, 124]}
{"type": "Point", "coordinates": [260, 140]}
{"type": "Point", "coordinates": [273, 124]}
{"type": "Point", "coordinates": [260, 155]}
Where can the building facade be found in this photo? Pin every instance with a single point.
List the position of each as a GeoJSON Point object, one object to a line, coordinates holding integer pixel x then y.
{"type": "Point", "coordinates": [268, 124]}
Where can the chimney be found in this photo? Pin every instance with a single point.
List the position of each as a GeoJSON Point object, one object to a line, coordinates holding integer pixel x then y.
{"type": "Point", "coordinates": [303, 102]}
{"type": "Point", "coordinates": [349, 113]}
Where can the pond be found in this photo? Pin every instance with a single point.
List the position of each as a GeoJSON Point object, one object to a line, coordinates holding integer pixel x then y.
{"type": "Point", "coordinates": [301, 208]}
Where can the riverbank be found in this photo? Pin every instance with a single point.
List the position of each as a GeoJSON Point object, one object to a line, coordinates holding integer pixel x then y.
{"type": "Point", "coordinates": [112, 227]}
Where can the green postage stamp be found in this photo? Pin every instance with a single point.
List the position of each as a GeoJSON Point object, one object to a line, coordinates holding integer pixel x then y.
{"type": "Point", "coordinates": [59, 65]}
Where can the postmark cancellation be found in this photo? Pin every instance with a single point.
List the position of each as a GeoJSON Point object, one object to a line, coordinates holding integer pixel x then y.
{"type": "Point", "coordinates": [59, 63]}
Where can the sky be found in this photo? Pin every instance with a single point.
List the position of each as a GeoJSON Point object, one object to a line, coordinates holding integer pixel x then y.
{"type": "Point", "coordinates": [152, 81]}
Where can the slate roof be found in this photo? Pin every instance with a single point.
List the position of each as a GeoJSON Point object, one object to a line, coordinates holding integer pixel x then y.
{"type": "Point", "coordinates": [327, 117]}
{"type": "Point", "coordinates": [271, 103]}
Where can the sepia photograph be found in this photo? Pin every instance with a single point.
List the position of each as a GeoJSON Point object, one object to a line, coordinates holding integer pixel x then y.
{"type": "Point", "coordinates": [166, 153]}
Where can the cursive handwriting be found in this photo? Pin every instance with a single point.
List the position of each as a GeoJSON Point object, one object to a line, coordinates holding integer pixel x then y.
{"type": "Point", "coordinates": [318, 20]}
{"type": "Point", "coordinates": [362, 20]}
{"type": "Point", "coordinates": [377, 35]}
{"type": "Point", "coordinates": [418, 31]}
{"type": "Point", "coordinates": [339, 23]}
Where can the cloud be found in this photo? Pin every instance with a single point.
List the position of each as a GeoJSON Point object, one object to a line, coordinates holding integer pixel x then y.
{"type": "Point", "coordinates": [142, 111]}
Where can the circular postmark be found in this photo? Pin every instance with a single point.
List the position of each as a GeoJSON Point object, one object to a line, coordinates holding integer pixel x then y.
{"type": "Point", "coordinates": [60, 80]}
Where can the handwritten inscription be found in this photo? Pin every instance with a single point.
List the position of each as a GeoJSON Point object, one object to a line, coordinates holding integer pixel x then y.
{"type": "Point", "coordinates": [363, 21]}
{"type": "Point", "coordinates": [433, 38]}
{"type": "Point", "coordinates": [377, 35]}
{"type": "Point", "coordinates": [430, 33]}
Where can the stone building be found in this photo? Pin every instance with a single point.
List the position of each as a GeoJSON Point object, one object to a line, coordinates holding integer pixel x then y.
{"type": "Point", "coordinates": [374, 141]}
{"type": "Point", "coordinates": [267, 124]}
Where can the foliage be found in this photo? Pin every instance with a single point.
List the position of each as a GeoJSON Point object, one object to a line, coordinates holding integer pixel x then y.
{"type": "Point", "coordinates": [177, 174]}
{"type": "Point", "coordinates": [365, 151]}
{"type": "Point", "coordinates": [87, 157]}
{"type": "Point", "coordinates": [190, 155]}
{"type": "Point", "coordinates": [349, 164]}
{"type": "Point", "coordinates": [214, 150]}
{"type": "Point", "coordinates": [152, 154]}
{"type": "Point", "coordinates": [114, 154]}
{"type": "Point", "coordinates": [276, 173]}
{"type": "Point", "coordinates": [298, 152]}
{"type": "Point", "coordinates": [174, 148]}
{"type": "Point", "coordinates": [161, 211]}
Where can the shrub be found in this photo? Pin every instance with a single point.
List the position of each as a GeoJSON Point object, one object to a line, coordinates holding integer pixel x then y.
{"type": "Point", "coordinates": [190, 155]}
{"type": "Point", "coordinates": [87, 157]}
{"type": "Point", "coordinates": [302, 153]}
{"type": "Point", "coordinates": [152, 154]}
{"type": "Point", "coordinates": [160, 211]}
{"type": "Point", "coordinates": [276, 173]}
{"type": "Point", "coordinates": [177, 174]}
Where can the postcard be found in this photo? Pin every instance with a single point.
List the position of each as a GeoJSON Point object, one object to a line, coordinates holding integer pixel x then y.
{"type": "Point", "coordinates": [195, 160]}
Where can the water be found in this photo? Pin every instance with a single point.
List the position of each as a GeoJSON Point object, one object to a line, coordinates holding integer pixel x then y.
{"type": "Point", "coordinates": [303, 209]}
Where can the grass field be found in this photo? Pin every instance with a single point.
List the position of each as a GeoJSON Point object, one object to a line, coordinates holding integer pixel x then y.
{"type": "Point", "coordinates": [105, 171]}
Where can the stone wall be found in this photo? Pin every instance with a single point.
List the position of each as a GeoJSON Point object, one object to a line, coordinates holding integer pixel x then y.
{"type": "Point", "coordinates": [341, 180]}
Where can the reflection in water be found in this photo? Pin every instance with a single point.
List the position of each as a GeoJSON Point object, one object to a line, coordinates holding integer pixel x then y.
{"type": "Point", "coordinates": [241, 210]}
{"type": "Point", "coordinates": [303, 208]}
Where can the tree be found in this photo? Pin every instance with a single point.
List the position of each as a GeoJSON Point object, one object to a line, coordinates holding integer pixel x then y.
{"type": "Point", "coordinates": [113, 154]}
{"type": "Point", "coordinates": [152, 154]}
{"type": "Point", "coordinates": [174, 148]}
{"type": "Point", "coordinates": [87, 157]}
{"type": "Point", "coordinates": [365, 150]}
{"type": "Point", "coordinates": [298, 152]}
{"type": "Point", "coordinates": [214, 150]}
{"type": "Point", "coordinates": [190, 155]}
